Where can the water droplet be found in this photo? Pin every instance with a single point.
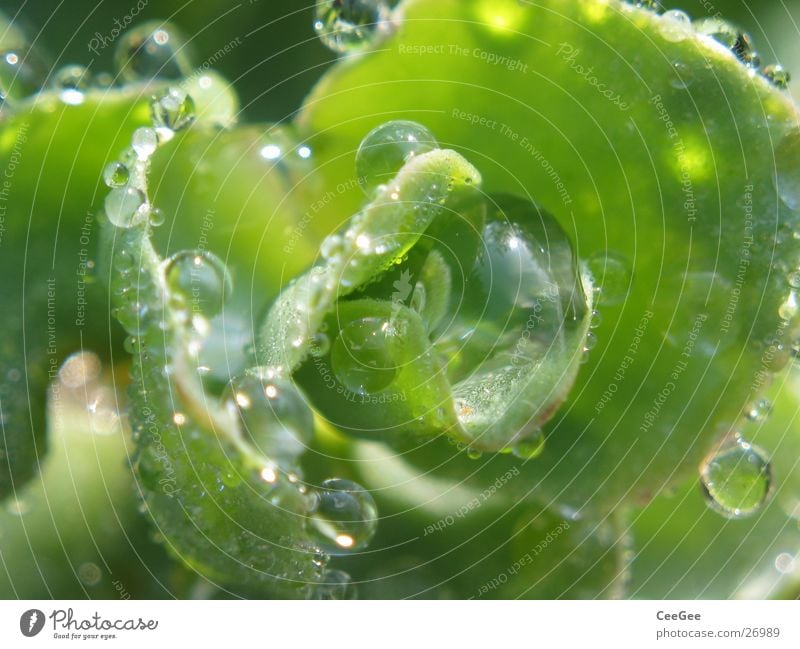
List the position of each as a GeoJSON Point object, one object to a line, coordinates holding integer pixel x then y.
{"type": "Point", "coordinates": [200, 279]}
{"type": "Point", "coordinates": [172, 111]}
{"type": "Point", "coordinates": [343, 516]}
{"type": "Point", "coordinates": [675, 25]}
{"type": "Point", "coordinates": [385, 150]}
{"type": "Point", "coordinates": [530, 447]}
{"type": "Point", "coordinates": [789, 307]}
{"type": "Point", "coordinates": [351, 25]}
{"type": "Point", "coordinates": [683, 76]}
{"type": "Point", "coordinates": [156, 216]}
{"type": "Point", "coordinates": [151, 50]}
{"type": "Point", "coordinates": [332, 247]}
{"type": "Point", "coordinates": [144, 142]}
{"type": "Point", "coordinates": [215, 99]}
{"type": "Point", "coordinates": [362, 355]}
{"type": "Point", "coordinates": [116, 174]}
{"type": "Point", "coordinates": [122, 205]}
{"type": "Point", "coordinates": [730, 37]}
{"type": "Point", "coordinates": [785, 563]}
{"type": "Point", "coordinates": [612, 273]}
{"type": "Point", "coordinates": [274, 416]}
{"type": "Point", "coordinates": [474, 453]}
{"type": "Point", "coordinates": [334, 585]}
{"type": "Point", "coordinates": [736, 480]}
{"type": "Point", "coordinates": [777, 75]}
{"type": "Point", "coordinates": [759, 411]}
{"type": "Point", "coordinates": [72, 82]}
{"type": "Point", "coordinates": [787, 169]}
{"type": "Point", "coordinates": [89, 574]}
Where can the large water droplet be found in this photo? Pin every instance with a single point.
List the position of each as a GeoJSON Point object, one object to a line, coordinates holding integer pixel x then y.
{"type": "Point", "coordinates": [736, 480]}
{"type": "Point", "coordinates": [215, 99]}
{"type": "Point", "coordinates": [144, 142]}
{"type": "Point", "coordinates": [122, 206]}
{"type": "Point", "coordinates": [351, 25]}
{"type": "Point", "coordinates": [22, 69]}
{"type": "Point", "coordinates": [154, 49]}
{"type": "Point", "coordinates": [787, 169]}
{"type": "Point", "coordinates": [385, 150]}
{"type": "Point", "coordinates": [343, 516]}
{"type": "Point", "coordinates": [201, 280]}
{"type": "Point", "coordinates": [530, 447]}
{"type": "Point", "coordinates": [362, 355]}
{"type": "Point", "coordinates": [273, 414]}
{"type": "Point", "coordinates": [172, 110]}
{"type": "Point", "coordinates": [730, 36]}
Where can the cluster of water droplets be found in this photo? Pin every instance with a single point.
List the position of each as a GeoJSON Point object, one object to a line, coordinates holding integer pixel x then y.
{"type": "Point", "coordinates": [676, 25]}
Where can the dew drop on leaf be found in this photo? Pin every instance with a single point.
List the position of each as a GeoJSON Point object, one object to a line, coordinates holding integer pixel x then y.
{"type": "Point", "coordinates": [334, 585]}
{"type": "Point", "coordinates": [200, 279]}
{"type": "Point", "coordinates": [320, 344]}
{"type": "Point", "coordinates": [343, 516]}
{"type": "Point", "coordinates": [116, 174]}
{"type": "Point", "coordinates": [274, 415]}
{"type": "Point", "coordinates": [144, 142]}
{"type": "Point", "coordinates": [612, 273]}
{"type": "Point", "coordinates": [172, 111]}
{"type": "Point", "coordinates": [72, 82]}
{"type": "Point", "coordinates": [675, 25]}
{"type": "Point", "coordinates": [385, 150]}
{"type": "Point", "coordinates": [730, 37]}
{"type": "Point", "coordinates": [351, 25]}
{"type": "Point", "coordinates": [759, 411]}
{"type": "Point", "coordinates": [152, 50]}
{"type": "Point", "coordinates": [122, 206]}
{"type": "Point", "coordinates": [736, 480]}
{"type": "Point", "coordinates": [530, 447]}
{"type": "Point", "coordinates": [777, 75]}
{"type": "Point", "coordinates": [362, 357]}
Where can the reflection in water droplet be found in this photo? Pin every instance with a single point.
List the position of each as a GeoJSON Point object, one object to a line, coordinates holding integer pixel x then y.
{"type": "Point", "coordinates": [343, 516]}
{"type": "Point", "coordinates": [737, 479]}
{"type": "Point", "coordinates": [151, 50]}
{"type": "Point", "coordinates": [171, 111]}
{"type": "Point", "coordinates": [362, 355]}
{"type": "Point", "coordinates": [274, 416]}
{"type": "Point", "coordinates": [116, 174]}
{"type": "Point", "coordinates": [200, 279]}
{"type": "Point", "coordinates": [385, 150]}
{"type": "Point", "coordinates": [787, 169]}
{"type": "Point", "coordinates": [351, 25]}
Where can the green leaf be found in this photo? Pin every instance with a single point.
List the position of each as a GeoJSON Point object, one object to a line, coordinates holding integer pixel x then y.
{"type": "Point", "coordinates": [665, 159]}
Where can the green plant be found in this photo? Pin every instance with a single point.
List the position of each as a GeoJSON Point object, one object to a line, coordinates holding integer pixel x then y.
{"type": "Point", "coordinates": [553, 302]}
